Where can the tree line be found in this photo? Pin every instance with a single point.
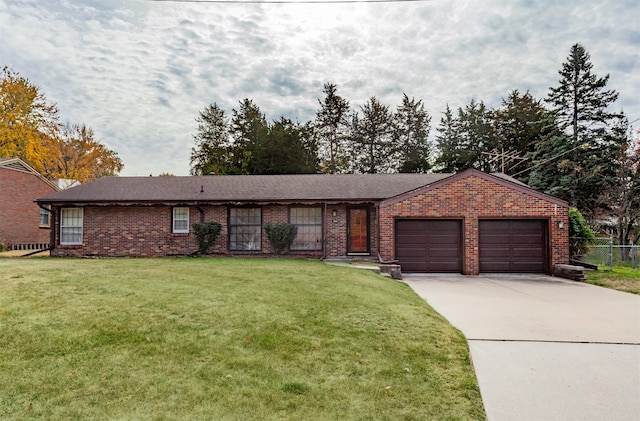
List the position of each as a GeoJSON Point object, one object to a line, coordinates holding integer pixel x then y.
{"type": "Point", "coordinates": [570, 144]}
{"type": "Point", "coordinates": [30, 129]}
{"type": "Point", "coordinates": [373, 140]}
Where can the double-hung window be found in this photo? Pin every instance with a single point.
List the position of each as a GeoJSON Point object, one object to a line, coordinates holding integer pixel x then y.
{"type": "Point", "coordinates": [245, 229]}
{"type": "Point", "coordinates": [181, 220]}
{"type": "Point", "coordinates": [45, 217]}
{"type": "Point", "coordinates": [308, 222]}
{"type": "Point", "coordinates": [71, 223]}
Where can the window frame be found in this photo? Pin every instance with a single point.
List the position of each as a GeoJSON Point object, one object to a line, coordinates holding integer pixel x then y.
{"type": "Point", "coordinates": [64, 226]}
{"type": "Point", "coordinates": [233, 227]}
{"type": "Point", "coordinates": [174, 220]}
{"type": "Point", "coordinates": [319, 229]}
{"type": "Point", "coordinates": [45, 210]}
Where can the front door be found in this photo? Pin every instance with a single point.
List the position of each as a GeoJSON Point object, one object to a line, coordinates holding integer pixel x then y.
{"type": "Point", "coordinates": [358, 230]}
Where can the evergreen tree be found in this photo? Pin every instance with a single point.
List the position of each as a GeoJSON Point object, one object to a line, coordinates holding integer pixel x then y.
{"type": "Point", "coordinates": [249, 145]}
{"type": "Point", "coordinates": [520, 123]}
{"type": "Point", "coordinates": [288, 148]}
{"type": "Point", "coordinates": [478, 136]}
{"type": "Point", "coordinates": [213, 144]}
{"type": "Point", "coordinates": [447, 142]}
{"type": "Point", "coordinates": [249, 130]}
{"type": "Point", "coordinates": [464, 139]}
{"type": "Point", "coordinates": [550, 163]}
{"type": "Point", "coordinates": [373, 147]}
{"type": "Point", "coordinates": [411, 132]}
{"type": "Point", "coordinates": [580, 103]}
{"type": "Point", "coordinates": [332, 127]}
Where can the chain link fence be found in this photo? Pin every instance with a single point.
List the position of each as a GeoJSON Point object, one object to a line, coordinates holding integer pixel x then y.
{"type": "Point", "coordinates": [605, 252]}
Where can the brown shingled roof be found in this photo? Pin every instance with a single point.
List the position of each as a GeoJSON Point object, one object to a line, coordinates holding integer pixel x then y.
{"type": "Point", "coordinates": [243, 188]}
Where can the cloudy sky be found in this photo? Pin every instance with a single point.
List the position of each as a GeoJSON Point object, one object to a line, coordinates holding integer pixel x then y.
{"type": "Point", "coordinates": [138, 72]}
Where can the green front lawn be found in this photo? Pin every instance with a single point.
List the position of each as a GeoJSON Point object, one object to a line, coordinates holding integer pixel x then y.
{"type": "Point", "coordinates": [622, 278]}
{"type": "Point", "coordinates": [236, 339]}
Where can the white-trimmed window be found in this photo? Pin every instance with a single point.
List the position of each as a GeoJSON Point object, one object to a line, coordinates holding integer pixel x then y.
{"type": "Point", "coordinates": [45, 217]}
{"type": "Point", "coordinates": [181, 220]}
{"type": "Point", "coordinates": [71, 222]}
{"type": "Point", "coordinates": [308, 222]}
{"type": "Point", "coordinates": [245, 229]}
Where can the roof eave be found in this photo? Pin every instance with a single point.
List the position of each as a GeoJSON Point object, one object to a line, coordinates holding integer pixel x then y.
{"type": "Point", "coordinates": [192, 202]}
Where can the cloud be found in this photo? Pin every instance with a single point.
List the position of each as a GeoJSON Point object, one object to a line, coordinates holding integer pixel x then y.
{"type": "Point", "coordinates": [138, 73]}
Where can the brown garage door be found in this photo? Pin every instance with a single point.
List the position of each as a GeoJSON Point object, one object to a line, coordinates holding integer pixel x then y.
{"type": "Point", "coordinates": [429, 245]}
{"type": "Point", "coordinates": [513, 245]}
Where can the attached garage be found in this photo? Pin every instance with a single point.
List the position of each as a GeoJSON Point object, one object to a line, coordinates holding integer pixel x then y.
{"type": "Point", "coordinates": [513, 245]}
{"type": "Point", "coordinates": [473, 223]}
{"type": "Point", "coordinates": [429, 245]}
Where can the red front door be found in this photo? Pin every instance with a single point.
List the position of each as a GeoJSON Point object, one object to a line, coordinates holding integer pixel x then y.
{"type": "Point", "coordinates": [358, 231]}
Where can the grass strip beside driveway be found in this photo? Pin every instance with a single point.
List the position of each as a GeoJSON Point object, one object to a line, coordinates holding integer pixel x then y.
{"type": "Point", "coordinates": [224, 338]}
{"type": "Point", "coordinates": [621, 278]}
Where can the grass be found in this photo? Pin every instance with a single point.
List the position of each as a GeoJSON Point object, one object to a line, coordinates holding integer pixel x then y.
{"type": "Point", "coordinates": [622, 278]}
{"type": "Point", "coordinates": [228, 339]}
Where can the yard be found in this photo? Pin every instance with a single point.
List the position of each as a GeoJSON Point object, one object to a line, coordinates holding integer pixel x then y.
{"type": "Point", "coordinates": [622, 278]}
{"type": "Point", "coordinates": [228, 338]}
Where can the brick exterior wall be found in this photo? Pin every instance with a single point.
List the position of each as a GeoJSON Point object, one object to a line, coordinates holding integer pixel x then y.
{"type": "Point", "coordinates": [20, 214]}
{"type": "Point", "coordinates": [140, 231]}
{"type": "Point", "coordinates": [335, 240]}
{"type": "Point", "coordinates": [470, 199]}
{"type": "Point", "coordinates": [146, 231]}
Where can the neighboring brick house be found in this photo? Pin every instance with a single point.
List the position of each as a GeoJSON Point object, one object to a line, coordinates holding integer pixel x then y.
{"type": "Point", "coordinates": [24, 226]}
{"type": "Point", "coordinates": [468, 223]}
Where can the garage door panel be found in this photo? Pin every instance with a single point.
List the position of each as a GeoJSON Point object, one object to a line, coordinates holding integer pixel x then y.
{"type": "Point", "coordinates": [444, 238]}
{"type": "Point", "coordinates": [530, 253]}
{"type": "Point", "coordinates": [490, 226]}
{"type": "Point", "coordinates": [429, 245]}
{"type": "Point", "coordinates": [442, 267]}
{"type": "Point", "coordinates": [411, 240]}
{"type": "Point", "coordinates": [496, 253]}
{"type": "Point", "coordinates": [495, 266]}
{"type": "Point", "coordinates": [409, 226]}
{"type": "Point", "coordinates": [436, 252]}
{"type": "Point", "coordinates": [496, 240]}
{"type": "Point", "coordinates": [414, 252]}
{"type": "Point", "coordinates": [414, 266]}
{"type": "Point", "coordinates": [528, 267]}
{"type": "Point", "coordinates": [528, 240]}
{"type": "Point", "coordinates": [512, 245]}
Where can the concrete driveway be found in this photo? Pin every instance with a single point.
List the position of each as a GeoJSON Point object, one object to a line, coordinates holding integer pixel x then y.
{"type": "Point", "coordinates": [544, 348]}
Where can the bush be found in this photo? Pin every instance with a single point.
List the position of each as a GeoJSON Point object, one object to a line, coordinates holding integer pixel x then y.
{"type": "Point", "coordinates": [280, 236]}
{"type": "Point", "coordinates": [3, 246]}
{"type": "Point", "coordinates": [206, 234]}
{"type": "Point", "coordinates": [580, 234]}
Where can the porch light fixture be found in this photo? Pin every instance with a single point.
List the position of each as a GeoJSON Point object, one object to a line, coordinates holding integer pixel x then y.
{"type": "Point", "coordinates": [561, 224]}
{"type": "Point", "coordinates": [334, 213]}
